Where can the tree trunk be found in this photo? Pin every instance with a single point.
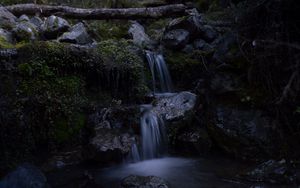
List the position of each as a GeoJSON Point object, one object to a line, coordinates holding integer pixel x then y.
{"type": "Point", "coordinates": [174, 10]}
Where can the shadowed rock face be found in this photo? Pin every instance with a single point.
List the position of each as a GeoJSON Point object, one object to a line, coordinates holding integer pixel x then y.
{"type": "Point", "coordinates": [135, 181]}
{"type": "Point", "coordinates": [7, 19]}
{"type": "Point", "coordinates": [139, 35]}
{"type": "Point", "coordinates": [77, 35]}
{"type": "Point", "coordinates": [176, 39]}
{"type": "Point", "coordinates": [54, 26]}
{"type": "Point", "coordinates": [25, 176]}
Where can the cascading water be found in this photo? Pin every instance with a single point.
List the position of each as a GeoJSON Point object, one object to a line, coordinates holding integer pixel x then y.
{"type": "Point", "coordinates": [153, 139]}
{"type": "Point", "coordinates": [159, 70]}
{"type": "Point", "coordinates": [153, 133]}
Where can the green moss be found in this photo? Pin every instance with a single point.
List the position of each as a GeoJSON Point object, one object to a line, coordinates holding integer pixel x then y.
{"type": "Point", "coordinates": [185, 68]}
{"type": "Point", "coordinates": [4, 43]}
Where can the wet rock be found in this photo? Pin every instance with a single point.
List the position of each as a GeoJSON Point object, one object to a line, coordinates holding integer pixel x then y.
{"type": "Point", "coordinates": [134, 181]}
{"type": "Point", "coordinates": [139, 36]}
{"type": "Point", "coordinates": [7, 19]}
{"type": "Point", "coordinates": [271, 171]}
{"type": "Point", "coordinates": [243, 133]}
{"type": "Point", "coordinates": [54, 26]}
{"type": "Point", "coordinates": [77, 35]}
{"type": "Point", "coordinates": [25, 176]}
{"type": "Point", "coordinates": [6, 36]}
{"type": "Point", "coordinates": [194, 141]}
{"type": "Point", "coordinates": [176, 39]}
{"type": "Point", "coordinates": [25, 31]}
{"type": "Point", "coordinates": [23, 18]}
{"type": "Point", "coordinates": [110, 146]}
{"type": "Point", "coordinates": [175, 106]}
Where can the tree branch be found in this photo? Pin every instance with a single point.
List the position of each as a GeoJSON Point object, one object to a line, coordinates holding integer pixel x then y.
{"type": "Point", "coordinates": [174, 10]}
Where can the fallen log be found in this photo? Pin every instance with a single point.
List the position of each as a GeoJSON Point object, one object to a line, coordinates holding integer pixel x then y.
{"type": "Point", "coordinates": [174, 10]}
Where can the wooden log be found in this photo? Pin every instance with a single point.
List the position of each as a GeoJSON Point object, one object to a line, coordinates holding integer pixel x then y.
{"type": "Point", "coordinates": [174, 10]}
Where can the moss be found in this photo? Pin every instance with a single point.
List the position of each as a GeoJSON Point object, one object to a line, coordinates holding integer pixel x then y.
{"type": "Point", "coordinates": [64, 131]}
{"type": "Point", "coordinates": [104, 30]}
{"type": "Point", "coordinates": [4, 43]}
{"type": "Point", "coordinates": [185, 68]}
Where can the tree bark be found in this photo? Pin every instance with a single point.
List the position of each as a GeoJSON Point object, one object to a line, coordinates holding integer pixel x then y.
{"type": "Point", "coordinates": [174, 10]}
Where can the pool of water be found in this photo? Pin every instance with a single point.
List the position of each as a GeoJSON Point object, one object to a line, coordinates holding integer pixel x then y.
{"type": "Point", "coordinates": [179, 172]}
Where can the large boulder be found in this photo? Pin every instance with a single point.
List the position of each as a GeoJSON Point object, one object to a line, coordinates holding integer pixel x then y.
{"type": "Point", "coordinates": [77, 35]}
{"type": "Point", "coordinates": [7, 19]}
{"type": "Point", "coordinates": [175, 106]}
{"type": "Point", "coordinates": [37, 21]}
{"type": "Point", "coordinates": [54, 26]}
{"type": "Point", "coordinates": [25, 31]}
{"type": "Point", "coordinates": [139, 36]}
{"type": "Point", "coordinates": [110, 146]}
{"type": "Point", "coordinates": [246, 134]}
{"type": "Point", "coordinates": [176, 39]}
{"type": "Point", "coordinates": [194, 26]}
{"type": "Point", "coordinates": [25, 176]}
{"type": "Point", "coordinates": [134, 181]}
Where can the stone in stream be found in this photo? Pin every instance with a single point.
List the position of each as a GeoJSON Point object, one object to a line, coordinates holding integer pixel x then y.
{"type": "Point", "coordinates": [175, 106]}
{"type": "Point", "coordinates": [134, 181]}
{"type": "Point", "coordinates": [77, 35]}
{"type": "Point", "coordinates": [25, 176]}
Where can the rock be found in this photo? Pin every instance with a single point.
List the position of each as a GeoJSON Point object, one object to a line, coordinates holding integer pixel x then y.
{"type": "Point", "coordinates": [194, 141]}
{"type": "Point", "coordinates": [6, 36]}
{"type": "Point", "coordinates": [246, 134]}
{"type": "Point", "coordinates": [176, 39]}
{"type": "Point", "coordinates": [54, 26]}
{"type": "Point", "coordinates": [7, 19]}
{"type": "Point", "coordinates": [25, 31]}
{"type": "Point", "coordinates": [134, 181]}
{"type": "Point", "coordinates": [108, 146]}
{"type": "Point", "coordinates": [189, 23]}
{"type": "Point", "coordinates": [271, 171]}
{"type": "Point", "coordinates": [23, 18]}
{"type": "Point", "coordinates": [175, 106]}
{"type": "Point", "coordinates": [200, 44]}
{"type": "Point", "coordinates": [77, 35]}
{"type": "Point", "coordinates": [25, 176]}
{"type": "Point", "coordinates": [38, 22]}
{"type": "Point", "coordinates": [139, 36]}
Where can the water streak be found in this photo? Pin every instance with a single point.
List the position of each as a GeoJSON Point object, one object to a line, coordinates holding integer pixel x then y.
{"type": "Point", "coordinates": [153, 133]}
{"type": "Point", "coordinates": [159, 70]}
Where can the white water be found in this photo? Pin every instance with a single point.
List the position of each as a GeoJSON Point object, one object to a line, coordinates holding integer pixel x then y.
{"type": "Point", "coordinates": [153, 133]}
{"type": "Point", "coordinates": [159, 70]}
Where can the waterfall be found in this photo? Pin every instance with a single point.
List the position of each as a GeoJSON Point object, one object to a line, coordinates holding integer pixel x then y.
{"type": "Point", "coordinates": [159, 70]}
{"type": "Point", "coordinates": [153, 133]}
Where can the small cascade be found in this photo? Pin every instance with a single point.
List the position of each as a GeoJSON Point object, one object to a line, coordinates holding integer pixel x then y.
{"type": "Point", "coordinates": [134, 154]}
{"type": "Point", "coordinates": [153, 133]}
{"type": "Point", "coordinates": [159, 71]}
